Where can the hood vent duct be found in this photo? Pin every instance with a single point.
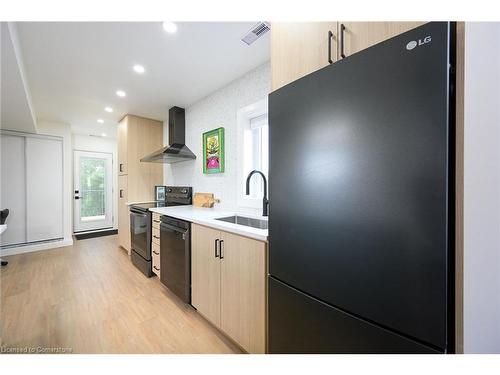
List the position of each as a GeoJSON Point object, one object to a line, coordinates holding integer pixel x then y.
{"type": "Point", "coordinates": [257, 31]}
{"type": "Point", "coordinates": [176, 151]}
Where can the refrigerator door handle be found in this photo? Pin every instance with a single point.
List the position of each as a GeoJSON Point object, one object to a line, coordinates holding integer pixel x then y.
{"type": "Point", "coordinates": [330, 36]}
{"type": "Point", "coordinates": [342, 29]}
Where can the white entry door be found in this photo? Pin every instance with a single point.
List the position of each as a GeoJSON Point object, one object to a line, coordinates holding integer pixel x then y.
{"type": "Point", "coordinates": [93, 191]}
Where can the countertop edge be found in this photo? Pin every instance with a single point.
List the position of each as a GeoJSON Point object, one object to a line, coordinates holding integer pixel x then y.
{"type": "Point", "coordinates": [212, 223]}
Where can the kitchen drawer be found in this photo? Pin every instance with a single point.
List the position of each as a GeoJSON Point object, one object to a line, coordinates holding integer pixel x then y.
{"type": "Point", "coordinates": [155, 249]}
{"type": "Point", "coordinates": [156, 220]}
{"type": "Point", "coordinates": [156, 264]}
{"type": "Point", "coordinates": [156, 235]}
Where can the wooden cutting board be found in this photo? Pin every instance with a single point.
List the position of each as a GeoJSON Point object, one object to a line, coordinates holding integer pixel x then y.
{"type": "Point", "coordinates": [204, 200]}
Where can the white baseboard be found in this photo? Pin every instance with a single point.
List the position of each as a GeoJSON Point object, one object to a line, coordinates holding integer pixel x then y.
{"type": "Point", "coordinates": [36, 247]}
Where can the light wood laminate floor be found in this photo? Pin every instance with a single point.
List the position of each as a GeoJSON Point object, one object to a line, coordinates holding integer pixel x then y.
{"type": "Point", "coordinates": [89, 297]}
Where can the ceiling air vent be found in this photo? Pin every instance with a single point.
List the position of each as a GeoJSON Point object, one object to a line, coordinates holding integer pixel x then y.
{"type": "Point", "coordinates": [256, 32]}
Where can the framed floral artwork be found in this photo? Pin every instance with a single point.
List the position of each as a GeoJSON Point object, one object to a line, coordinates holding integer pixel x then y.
{"type": "Point", "coordinates": [213, 151]}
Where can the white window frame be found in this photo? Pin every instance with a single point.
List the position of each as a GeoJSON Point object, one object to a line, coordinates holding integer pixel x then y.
{"type": "Point", "coordinates": [243, 117]}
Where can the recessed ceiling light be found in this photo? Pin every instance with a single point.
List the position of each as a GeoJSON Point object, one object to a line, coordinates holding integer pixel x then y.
{"type": "Point", "coordinates": [100, 121]}
{"type": "Point", "coordinates": [121, 93]}
{"type": "Point", "coordinates": [108, 109]}
{"type": "Point", "coordinates": [103, 134]}
{"type": "Point", "coordinates": [139, 69]}
{"type": "Point", "coordinates": [169, 27]}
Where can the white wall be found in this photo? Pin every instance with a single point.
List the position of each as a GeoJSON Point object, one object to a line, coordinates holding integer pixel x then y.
{"type": "Point", "coordinates": [64, 131]}
{"type": "Point", "coordinates": [482, 189]}
{"type": "Point", "coordinates": [216, 110]}
{"type": "Point", "coordinates": [107, 145]}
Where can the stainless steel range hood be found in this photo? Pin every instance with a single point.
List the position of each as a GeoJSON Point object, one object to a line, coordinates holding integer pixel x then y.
{"type": "Point", "coordinates": [176, 151]}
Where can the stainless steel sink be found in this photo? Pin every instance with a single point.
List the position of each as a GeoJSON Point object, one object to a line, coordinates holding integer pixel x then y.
{"type": "Point", "coordinates": [247, 221]}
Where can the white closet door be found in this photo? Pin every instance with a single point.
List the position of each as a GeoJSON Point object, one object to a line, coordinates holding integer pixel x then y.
{"type": "Point", "coordinates": [44, 178]}
{"type": "Point", "coordinates": [13, 188]}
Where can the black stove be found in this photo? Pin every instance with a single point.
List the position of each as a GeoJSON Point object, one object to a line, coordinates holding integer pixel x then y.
{"type": "Point", "coordinates": [140, 224]}
{"type": "Point", "coordinates": [175, 196]}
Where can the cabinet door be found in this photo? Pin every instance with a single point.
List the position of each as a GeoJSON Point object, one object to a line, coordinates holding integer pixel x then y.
{"type": "Point", "coordinates": [361, 35]}
{"type": "Point", "coordinates": [123, 214]}
{"type": "Point", "coordinates": [155, 142]}
{"type": "Point", "coordinates": [122, 147]}
{"type": "Point", "coordinates": [243, 291]}
{"type": "Point", "coordinates": [205, 273]}
{"type": "Point", "coordinates": [300, 48]}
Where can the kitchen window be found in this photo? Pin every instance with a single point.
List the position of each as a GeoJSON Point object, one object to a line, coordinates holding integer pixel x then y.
{"type": "Point", "coordinates": [253, 135]}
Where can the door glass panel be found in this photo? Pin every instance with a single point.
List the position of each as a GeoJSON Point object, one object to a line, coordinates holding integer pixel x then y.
{"type": "Point", "coordinates": [92, 188]}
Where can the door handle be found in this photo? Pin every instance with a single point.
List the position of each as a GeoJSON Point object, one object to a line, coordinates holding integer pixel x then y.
{"type": "Point", "coordinates": [121, 193]}
{"type": "Point", "coordinates": [221, 255]}
{"type": "Point", "coordinates": [121, 167]}
{"type": "Point", "coordinates": [216, 245]}
{"type": "Point", "coordinates": [154, 252]}
{"type": "Point", "coordinates": [156, 237]}
{"type": "Point", "coordinates": [77, 197]}
{"type": "Point", "coordinates": [156, 268]}
{"type": "Point", "coordinates": [342, 29]}
{"type": "Point", "coordinates": [330, 36]}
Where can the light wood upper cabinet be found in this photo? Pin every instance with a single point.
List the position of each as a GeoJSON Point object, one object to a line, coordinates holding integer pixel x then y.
{"type": "Point", "coordinates": [123, 214]}
{"type": "Point", "coordinates": [361, 35]}
{"type": "Point", "coordinates": [300, 48]}
{"type": "Point", "coordinates": [228, 284]}
{"type": "Point", "coordinates": [205, 273]}
{"type": "Point", "coordinates": [122, 147]}
{"type": "Point", "coordinates": [243, 281]}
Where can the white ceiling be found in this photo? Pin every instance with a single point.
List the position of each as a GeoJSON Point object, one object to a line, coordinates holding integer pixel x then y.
{"type": "Point", "coordinates": [74, 69]}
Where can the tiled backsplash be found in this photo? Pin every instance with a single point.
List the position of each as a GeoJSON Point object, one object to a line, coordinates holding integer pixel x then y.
{"type": "Point", "coordinates": [216, 110]}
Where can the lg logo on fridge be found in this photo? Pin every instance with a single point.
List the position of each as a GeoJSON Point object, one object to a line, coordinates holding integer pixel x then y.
{"type": "Point", "coordinates": [420, 42]}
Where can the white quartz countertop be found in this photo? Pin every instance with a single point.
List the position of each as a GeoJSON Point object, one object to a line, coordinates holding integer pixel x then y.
{"type": "Point", "coordinates": [207, 216]}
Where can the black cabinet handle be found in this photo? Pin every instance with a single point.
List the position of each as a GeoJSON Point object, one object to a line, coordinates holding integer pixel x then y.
{"type": "Point", "coordinates": [154, 252]}
{"type": "Point", "coordinates": [216, 246]}
{"type": "Point", "coordinates": [156, 237]}
{"type": "Point", "coordinates": [156, 268]}
{"type": "Point", "coordinates": [330, 36]}
{"type": "Point", "coordinates": [156, 221]}
{"type": "Point", "coordinates": [121, 193]}
{"type": "Point", "coordinates": [77, 197]}
{"type": "Point", "coordinates": [342, 29]}
{"type": "Point", "coordinates": [220, 249]}
{"type": "Point", "coordinates": [121, 167]}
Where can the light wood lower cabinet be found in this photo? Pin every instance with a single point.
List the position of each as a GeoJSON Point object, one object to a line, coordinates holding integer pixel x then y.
{"type": "Point", "coordinates": [229, 284]}
{"type": "Point", "coordinates": [205, 272]}
{"type": "Point", "coordinates": [155, 244]}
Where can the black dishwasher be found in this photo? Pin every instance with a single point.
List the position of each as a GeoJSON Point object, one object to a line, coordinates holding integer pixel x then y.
{"type": "Point", "coordinates": [175, 256]}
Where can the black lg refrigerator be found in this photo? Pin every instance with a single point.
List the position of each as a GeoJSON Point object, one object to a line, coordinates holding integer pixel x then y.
{"type": "Point", "coordinates": [361, 202]}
